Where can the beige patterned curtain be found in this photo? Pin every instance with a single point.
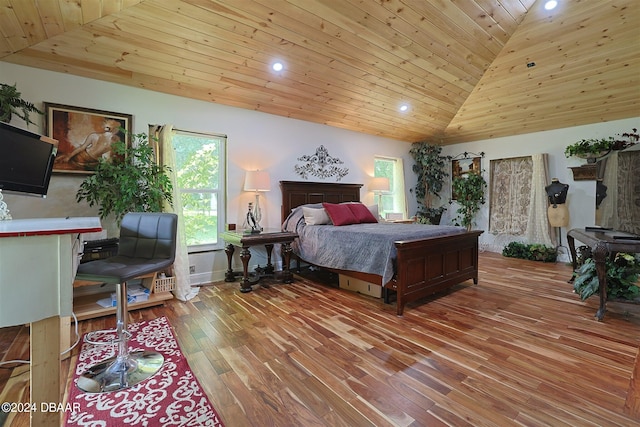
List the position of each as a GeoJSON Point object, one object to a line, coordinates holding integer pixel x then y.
{"type": "Point", "coordinates": [629, 191]}
{"type": "Point", "coordinates": [166, 157]}
{"type": "Point", "coordinates": [517, 199]}
{"type": "Point", "coordinates": [510, 191]}
{"type": "Point", "coordinates": [606, 212]}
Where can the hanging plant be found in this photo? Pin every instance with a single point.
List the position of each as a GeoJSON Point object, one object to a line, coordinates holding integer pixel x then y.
{"type": "Point", "coordinates": [470, 189]}
{"type": "Point", "coordinates": [11, 103]}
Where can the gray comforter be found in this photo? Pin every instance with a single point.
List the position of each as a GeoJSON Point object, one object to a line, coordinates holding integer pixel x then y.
{"type": "Point", "coordinates": [367, 248]}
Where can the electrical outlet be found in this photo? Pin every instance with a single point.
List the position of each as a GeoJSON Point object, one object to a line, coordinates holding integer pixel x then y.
{"type": "Point", "coordinates": [192, 269]}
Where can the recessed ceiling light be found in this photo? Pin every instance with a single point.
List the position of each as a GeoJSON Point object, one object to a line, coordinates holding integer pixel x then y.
{"type": "Point", "coordinates": [277, 66]}
{"type": "Point", "coordinates": [404, 107]}
{"type": "Point", "coordinates": [551, 4]}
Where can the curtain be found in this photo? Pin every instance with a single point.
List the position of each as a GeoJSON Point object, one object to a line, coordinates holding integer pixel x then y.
{"type": "Point", "coordinates": [628, 187]}
{"type": "Point", "coordinates": [607, 210]}
{"type": "Point", "coordinates": [618, 191]}
{"type": "Point", "coordinates": [398, 179]}
{"type": "Point", "coordinates": [166, 157]}
{"type": "Point", "coordinates": [510, 195]}
{"type": "Point", "coordinates": [538, 228]}
{"type": "Point", "coordinates": [517, 199]}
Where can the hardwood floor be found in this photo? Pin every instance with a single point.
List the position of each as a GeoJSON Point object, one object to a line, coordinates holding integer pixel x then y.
{"type": "Point", "coordinates": [520, 348]}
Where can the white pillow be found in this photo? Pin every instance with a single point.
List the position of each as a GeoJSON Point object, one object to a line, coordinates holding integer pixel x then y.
{"type": "Point", "coordinates": [374, 211]}
{"type": "Point", "coordinates": [372, 208]}
{"type": "Point", "coordinates": [313, 216]}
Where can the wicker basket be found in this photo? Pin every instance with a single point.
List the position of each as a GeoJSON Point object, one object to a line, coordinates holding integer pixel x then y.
{"type": "Point", "coordinates": [164, 284]}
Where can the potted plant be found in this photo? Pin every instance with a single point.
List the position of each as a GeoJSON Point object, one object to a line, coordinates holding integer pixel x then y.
{"type": "Point", "coordinates": [590, 149]}
{"type": "Point", "coordinates": [622, 277]}
{"type": "Point", "coordinates": [431, 168]}
{"type": "Point", "coordinates": [530, 251]}
{"type": "Point", "coordinates": [470, 190]}
{"type": "Point", "coordinates": [11, 103]}
{"type": "Point", "coordinates": [593, 148]}
{"type": "Point", "coordinates": [129, 181]}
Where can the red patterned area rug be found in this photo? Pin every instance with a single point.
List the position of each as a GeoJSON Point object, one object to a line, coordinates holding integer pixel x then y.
{"type": "Point", "coordinates": [171, 397]}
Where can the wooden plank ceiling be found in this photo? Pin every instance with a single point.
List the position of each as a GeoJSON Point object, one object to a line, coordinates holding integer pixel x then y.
{"type": "Point", "coordinates": [461, 66]}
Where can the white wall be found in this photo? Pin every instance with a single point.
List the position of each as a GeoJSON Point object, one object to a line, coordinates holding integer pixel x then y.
{"type": "Point", "coordinates": [255, 141]}
{"type": "Point", "coordinates": [581, 196]}
{"type": "Point", "coordinates": [262, 141]}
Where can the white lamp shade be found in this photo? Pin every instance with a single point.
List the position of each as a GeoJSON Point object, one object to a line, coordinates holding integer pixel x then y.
{"type": "Point", "coordinates": [379, 184]}
{"type": "Point", "coordinates": [257, 181]}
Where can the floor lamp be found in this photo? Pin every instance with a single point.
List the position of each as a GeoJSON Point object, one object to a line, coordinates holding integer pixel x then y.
{"type": "Point", "coordinates": [256, 181]}
{"type": "Point", "coordinates": [379, 185]}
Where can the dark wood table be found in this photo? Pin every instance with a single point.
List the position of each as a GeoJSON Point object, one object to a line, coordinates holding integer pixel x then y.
{"type": "Point", "coordinates": [244, 239]}
{"type": "Point", "coordinates": [603, 243]}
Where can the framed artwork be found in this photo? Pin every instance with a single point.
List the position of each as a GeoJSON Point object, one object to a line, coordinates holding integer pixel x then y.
{"type": "Point", "coordinates": [84, 135]}
{"type": "Point", "coordinates": [462, 167]}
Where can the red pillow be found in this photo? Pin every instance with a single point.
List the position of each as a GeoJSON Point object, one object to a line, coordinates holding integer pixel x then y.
{"type": "Point", "coordinates": [362, 213]}
{"type": "Point", "coordinates": [340, 214]}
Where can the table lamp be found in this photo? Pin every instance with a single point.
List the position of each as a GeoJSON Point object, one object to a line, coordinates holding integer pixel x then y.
{"type": "Point", "coordinates": [256, 181]}
{"type": "Point", "coordinates": [379, 185]}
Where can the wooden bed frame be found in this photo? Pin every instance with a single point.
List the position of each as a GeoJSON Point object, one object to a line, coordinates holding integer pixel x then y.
{"type": "Point", "coordinates": [423, 267]}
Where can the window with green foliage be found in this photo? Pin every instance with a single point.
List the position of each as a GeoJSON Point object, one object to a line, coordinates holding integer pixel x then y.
{"type": "Point", "coordinates": [200, 167]}
{"type": "Point", "coordinates": [393, 201]}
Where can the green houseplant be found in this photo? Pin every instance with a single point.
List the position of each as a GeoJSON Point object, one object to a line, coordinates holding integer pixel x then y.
{"type": "Point", "coordinates": [129, 181]}
{"type": "Point", "coordinates": [431, 168]}
{"type": "Point", "coordinates": [530, 251]}
{"type": "Point", "coordinates": [594, 148]}
{"type": "Point", "coordinates": [11, 103]}
{"type": "Point", "coordinates": [622, 275]}
{"type": "Point", "coordinates": [590, 149]}
{"type": "Point", "coordinates": [470, 190]}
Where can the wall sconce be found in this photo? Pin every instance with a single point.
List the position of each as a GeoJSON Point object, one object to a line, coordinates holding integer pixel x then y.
{"type": "Point", "coordinates": [379, 185]}
{"type": "Point", "coordinates": [256, 181]}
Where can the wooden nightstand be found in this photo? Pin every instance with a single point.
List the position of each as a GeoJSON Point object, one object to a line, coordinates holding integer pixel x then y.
{"type": "Point", "coordinates": [245, 240]}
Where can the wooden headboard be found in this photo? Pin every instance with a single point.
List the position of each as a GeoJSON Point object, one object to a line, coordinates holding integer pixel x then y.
{"type": "Point", "coordinates": [296, 193]}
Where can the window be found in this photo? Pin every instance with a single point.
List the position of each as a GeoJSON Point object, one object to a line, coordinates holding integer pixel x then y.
{"type": "Point", "coordinates": [395, 200]}
{"type": "Point", "coordinates": [200, 170]}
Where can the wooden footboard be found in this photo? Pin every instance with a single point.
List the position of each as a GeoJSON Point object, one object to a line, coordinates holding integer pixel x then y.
{"type": "Point", "coordinates": [425, 267]}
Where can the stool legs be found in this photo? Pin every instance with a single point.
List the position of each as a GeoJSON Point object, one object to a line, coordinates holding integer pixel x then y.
{"type": "Point", "coordinates": [126, 369]}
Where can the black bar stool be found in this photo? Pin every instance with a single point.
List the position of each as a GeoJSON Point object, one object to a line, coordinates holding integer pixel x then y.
{"type": "Point", "coordinates": [147, 245]}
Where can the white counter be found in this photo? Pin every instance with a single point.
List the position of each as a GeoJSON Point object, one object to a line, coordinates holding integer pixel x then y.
{"type": "Point", "coordinates": [37, 266]}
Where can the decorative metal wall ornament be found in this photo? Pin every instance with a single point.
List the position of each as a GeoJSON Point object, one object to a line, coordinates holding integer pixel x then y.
{"type": "Point", "coordinates": [321, 164]}
{"type": "Point", "coordinates": [466, 155]}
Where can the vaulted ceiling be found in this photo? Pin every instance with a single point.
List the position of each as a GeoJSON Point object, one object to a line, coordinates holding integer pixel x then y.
{"type": "Point", "coordinates": [467, 69]}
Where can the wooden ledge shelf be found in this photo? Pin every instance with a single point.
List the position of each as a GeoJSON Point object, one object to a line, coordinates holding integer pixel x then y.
{"type": "Point", "coordinates": [585, 172]}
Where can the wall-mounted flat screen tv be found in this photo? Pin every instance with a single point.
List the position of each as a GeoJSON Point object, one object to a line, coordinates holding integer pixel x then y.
{"type": "Point", "coordinates": [26, 160]}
